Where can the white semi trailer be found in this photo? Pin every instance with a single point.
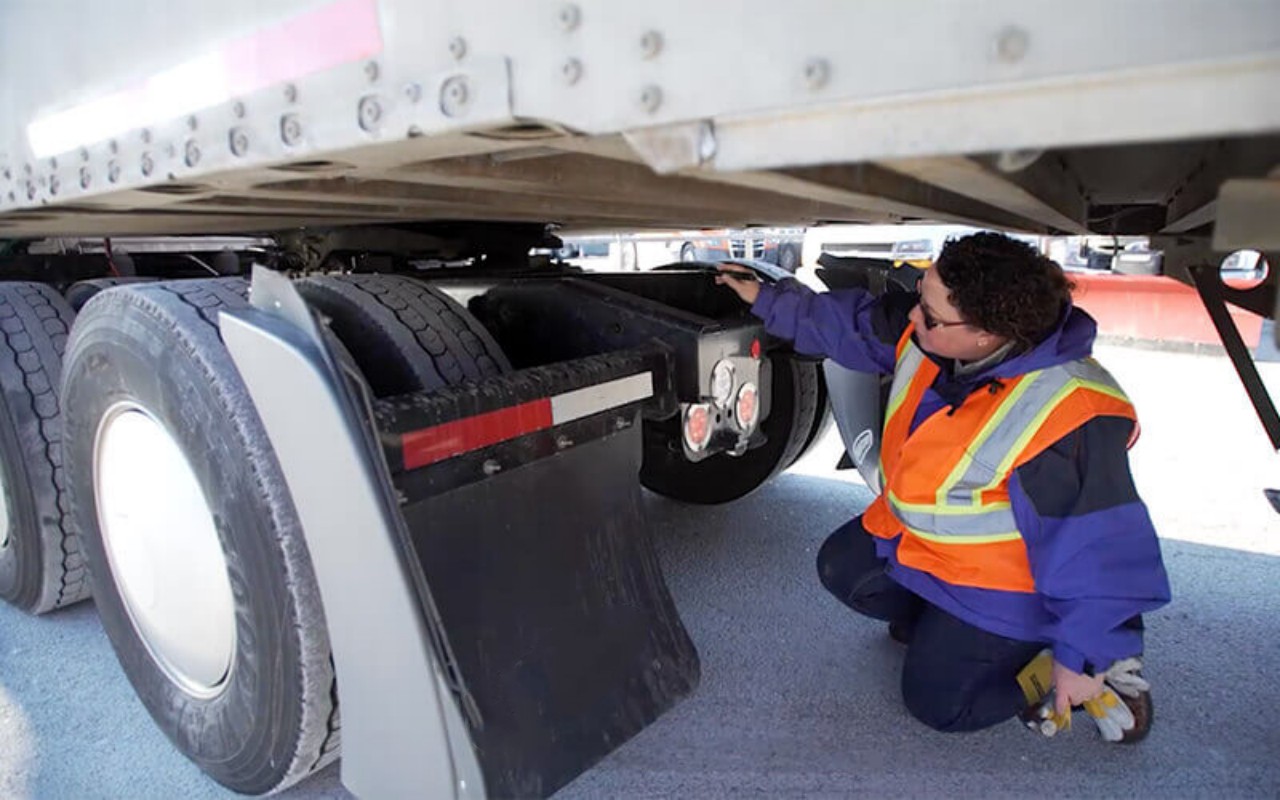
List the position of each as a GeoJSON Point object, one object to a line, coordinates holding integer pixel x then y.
{"type": "Point", "coordinates": [339, 458]}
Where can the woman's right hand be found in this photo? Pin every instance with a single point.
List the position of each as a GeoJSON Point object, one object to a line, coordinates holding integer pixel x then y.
{"type": "Point", "coordinates": [743, 283]}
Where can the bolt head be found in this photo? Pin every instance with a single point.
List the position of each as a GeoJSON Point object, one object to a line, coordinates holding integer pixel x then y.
{"type": "Point", "coordinates": [147, 165]}
{"type": "Point", "coordinates": [651, 98]}
{"type": "Point", "coordinates": [371, 71]}
{"type": "Point", "coordinates": [455, 96]}
{"type": "Point", "coordinates": [1012, 44]}
{"type": "Point", "coordinates": [238, 110]}
{"type": "Point", "coordinates": [571, 71]}
{"type": "Point", "coordinates": [238, 140]}
{"type": "Point", "coordinates": [290, 129]}
{"type": "Point", "coordinates": [570, 16]}
{"type": "Point", "coordinates": [113, 172]}
{"type": "Point", "coordinates": [192, 122]}
{"type": "Point", "coordinates": [86, 177]}
{"type": "Point", "coordinates": [413, 92]}
{"type": "Point", "coordinates": [369, 112]}
{"type": "Point", "coordinates": [191, 153]}
{"type": "Point", "coordinates": [650, 44]}
{"type": "Point", "coordinates": [458, 48]}
{"type": "Point", "coordinates": [817, 72]}
{"type": "Point", "coordinates": [291, 93]}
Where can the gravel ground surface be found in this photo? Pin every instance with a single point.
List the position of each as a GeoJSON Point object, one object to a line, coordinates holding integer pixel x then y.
{"type": "Point", "coordinates": [800, 697]}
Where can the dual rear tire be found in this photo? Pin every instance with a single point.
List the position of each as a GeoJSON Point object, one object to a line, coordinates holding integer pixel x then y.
{"type": "Point", "coordinates": [797, 417]}
{"type": "Point", "coordinates": [201, 572]}
{"type": "Point", "coordinates": [203, 579]}
{"type": "Point", "coordinates": [41, 566]}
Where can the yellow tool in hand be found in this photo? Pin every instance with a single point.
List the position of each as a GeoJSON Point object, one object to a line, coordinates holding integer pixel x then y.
{"type": "Point", "coordinates": [1036, 680]}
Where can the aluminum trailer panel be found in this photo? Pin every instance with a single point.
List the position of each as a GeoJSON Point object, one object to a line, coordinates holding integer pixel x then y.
{"type": "Point", "coordinates": [250, 116]}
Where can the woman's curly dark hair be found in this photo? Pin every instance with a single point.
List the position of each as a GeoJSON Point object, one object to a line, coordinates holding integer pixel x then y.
{"type": "Point", "coordinates": [1004, 286]}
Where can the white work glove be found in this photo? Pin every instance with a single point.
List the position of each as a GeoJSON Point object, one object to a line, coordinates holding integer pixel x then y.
{"type": "Point", "coordinates": [1110, 714]}
{"type": "Point", "coordinates": [1124, 678]}
{"type": "Point", "coordinates": [1108, 711]}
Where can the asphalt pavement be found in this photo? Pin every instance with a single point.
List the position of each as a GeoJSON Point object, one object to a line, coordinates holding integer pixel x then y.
{"type": "Point", "coordinates": [799, 697]}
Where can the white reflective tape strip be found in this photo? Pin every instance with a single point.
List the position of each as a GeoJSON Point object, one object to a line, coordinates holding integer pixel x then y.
{"type": "Point", "coordinates": [603, 396]}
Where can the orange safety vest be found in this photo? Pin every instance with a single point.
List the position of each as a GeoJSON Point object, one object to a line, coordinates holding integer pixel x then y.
{"type": "Point", "coordinates": [945, 486]}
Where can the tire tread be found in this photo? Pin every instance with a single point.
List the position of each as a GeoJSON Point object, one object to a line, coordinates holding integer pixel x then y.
{"type": "Point", "coordinates": [35, 323]}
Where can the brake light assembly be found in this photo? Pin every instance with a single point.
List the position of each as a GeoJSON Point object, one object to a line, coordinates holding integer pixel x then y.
{"type": "Point", "coordinates": [726, 419]}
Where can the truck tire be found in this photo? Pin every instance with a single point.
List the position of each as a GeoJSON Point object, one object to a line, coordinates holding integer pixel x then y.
{"type": "Point", "coordinates": [822, 420]}
{"type": "Point", "coordinates": [721, 478]}
{"type": "Point", "coordinates": [41, 566]}
{"type": "Point", "coordinates": [79, 292]}
{"type": "Point", "coordinates": [404, 335]}
{"type": "Point", "coordinates": [203, 580]}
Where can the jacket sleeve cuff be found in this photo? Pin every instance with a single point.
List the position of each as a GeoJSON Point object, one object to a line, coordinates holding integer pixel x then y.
{"type": "Point", "coordinates": [1069, 657]}
{"type": "Point", "coordinates": [764, 301]}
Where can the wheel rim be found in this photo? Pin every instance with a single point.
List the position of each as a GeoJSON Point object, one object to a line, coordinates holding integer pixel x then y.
{"type": "Point", "coordinates": [163, 549]}
{"type": "Point", "coordinates": [4, 511]}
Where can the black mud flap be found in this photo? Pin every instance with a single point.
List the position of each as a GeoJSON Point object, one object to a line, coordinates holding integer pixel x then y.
{"type": "Point", "coordinates": [545, 580]}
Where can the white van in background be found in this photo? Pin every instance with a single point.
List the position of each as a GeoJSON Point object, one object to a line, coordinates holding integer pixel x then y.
{"type": "Point", "coordinates": [632, 250]}
{"type": "Point", "coordinates": [915, 245]}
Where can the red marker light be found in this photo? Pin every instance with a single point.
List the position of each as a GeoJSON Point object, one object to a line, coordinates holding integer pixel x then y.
{"type": "Point", "coordinates": [755, 349]}
{"type": "Point", "coordinates": [697, 426]}
{"type": "Point", "coordinates": [747, 406]}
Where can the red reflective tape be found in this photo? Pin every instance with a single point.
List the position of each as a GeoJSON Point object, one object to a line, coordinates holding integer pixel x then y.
{"type": "Point", "coordinates": [431, 445]}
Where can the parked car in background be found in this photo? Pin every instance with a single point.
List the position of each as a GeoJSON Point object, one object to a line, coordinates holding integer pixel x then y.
{"type": "Point", "coordinates": [1244, 265]}
{"type": "Point", "coordinates": [901, 245]}
{"type": "Point", "coordinates": [632, 250]}
{"type": "Point", "coordinates": [602, 253]}
{"type": "Point", "coordinates": [779, 246]}
{"type": "Point", "coordinates": [1127, 255]}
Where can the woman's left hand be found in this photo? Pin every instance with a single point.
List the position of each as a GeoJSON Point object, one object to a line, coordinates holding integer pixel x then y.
{"type": "Point", "coordinates": [1072, 688]}
{"type": "Point", "coordinates": [743, 283]}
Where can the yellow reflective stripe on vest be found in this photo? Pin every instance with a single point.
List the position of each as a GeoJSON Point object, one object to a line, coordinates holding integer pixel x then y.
{"type": "Point", "coordinates": [974, 460]}
{"type": "Point", "coordinates": [992, 454]}
{"type": "Point", "coordinates": [1006, 463]}
{"type": "Point", "coordinates": [911, 360]}
{"type": "Point", "coordinates": [991, 523]}
{"type": "Point", "coordinates": [903, 374]}
{"type": "Point", "coordinates": [986, 456]}
{"type": "Point", "coordinates": [946, 539]}
{"type": "Point", "coordinates": [1084, 374]}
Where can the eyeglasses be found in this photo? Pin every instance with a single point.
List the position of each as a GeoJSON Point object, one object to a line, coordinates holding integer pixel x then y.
{"type": "Point", "coordinates": [929, 322]}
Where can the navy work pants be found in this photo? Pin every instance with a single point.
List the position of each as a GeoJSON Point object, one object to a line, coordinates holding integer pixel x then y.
{"type": "Point", "coordinates": [956, 677]}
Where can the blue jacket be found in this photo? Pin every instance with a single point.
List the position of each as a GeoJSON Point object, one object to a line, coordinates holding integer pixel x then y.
{"type": "Point", "coordinates": [1091, 544]}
